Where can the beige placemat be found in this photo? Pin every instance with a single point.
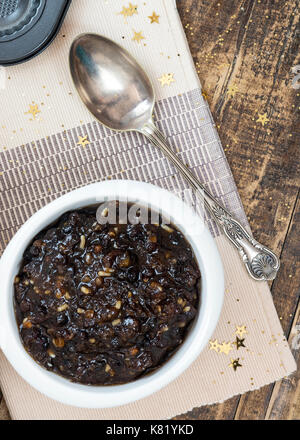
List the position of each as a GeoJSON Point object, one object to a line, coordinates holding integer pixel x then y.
{"type": "Point", "coordinates": [50, 144]}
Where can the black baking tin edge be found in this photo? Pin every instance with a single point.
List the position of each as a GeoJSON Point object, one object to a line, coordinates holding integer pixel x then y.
{"type": "Point", "coordinates": [43, 45]}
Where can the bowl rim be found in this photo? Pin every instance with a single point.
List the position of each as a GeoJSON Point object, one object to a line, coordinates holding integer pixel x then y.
{"type": "Point", "coordinates": [212, 293]}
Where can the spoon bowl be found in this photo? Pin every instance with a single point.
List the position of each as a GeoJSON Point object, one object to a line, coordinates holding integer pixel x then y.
{"type": "Point", "coordinates": [111, 83]}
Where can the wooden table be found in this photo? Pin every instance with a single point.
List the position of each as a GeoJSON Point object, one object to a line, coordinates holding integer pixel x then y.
{"type": "Point", "coordinates": [244, 52]}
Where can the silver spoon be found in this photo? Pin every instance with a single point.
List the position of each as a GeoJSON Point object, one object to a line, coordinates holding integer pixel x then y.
{"type": "Point", "coordinates": [117, 91]}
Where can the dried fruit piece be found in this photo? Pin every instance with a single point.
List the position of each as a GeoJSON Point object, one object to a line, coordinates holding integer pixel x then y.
{"type": "Point", "coordinates": [27, 323]}
{"type": "Point", "coordinates": [153, 238]}
{"type": "Point", "coordinates": [82, 242]}
{"type": "Point", "coordinates": [156, 285]}
{"type": "Point", "coordinates": [105, 212]}
{"type": "Point", "coordinates": [134, 351]}
{"type": "Point", "coordinates": [125, 261]}
{"type": "Point", "coordinates": [89, 314]}
{"type": "Point", "coordinates": [59, 342]}
{"type": "Point", "coordinates": [62, 308]}
{"type": "Point", "coordinates": [97, 249]}
{"type": "Point", "coordinates": [167, 228]}
{"type": "Point", "coordinates": [51, 353]}
{"type": "Point", "coordinates": [118, 305]}
{"type": "Point", "coordinates": [101, 273]}
{"type": "Point", "coordinates": [99, 281]}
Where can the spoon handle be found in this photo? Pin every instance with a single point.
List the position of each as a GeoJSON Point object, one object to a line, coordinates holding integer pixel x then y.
{"type": "Point", "coordinates": [261, 263]}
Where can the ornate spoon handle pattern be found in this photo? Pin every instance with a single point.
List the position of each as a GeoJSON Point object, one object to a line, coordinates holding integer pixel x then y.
{"type": "Point", "coordinates": [261, 263]}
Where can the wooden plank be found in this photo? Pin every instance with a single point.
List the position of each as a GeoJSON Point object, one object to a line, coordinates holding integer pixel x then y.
{"type": "Point", "coordinates": [265, 403]}
{"type": "Point", "coordinates": [285, 401]}
{"type": "Point", "coordinates": [223, 411]}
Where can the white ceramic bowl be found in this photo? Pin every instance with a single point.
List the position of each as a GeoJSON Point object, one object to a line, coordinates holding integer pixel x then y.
{"type": "Point", "coordinates": [212, 289]}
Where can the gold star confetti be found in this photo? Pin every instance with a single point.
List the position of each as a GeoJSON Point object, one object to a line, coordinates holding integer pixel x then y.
{"type": "Point", "coordinates": [83, 141]}
{"type": "Point", "coordinates": [241, 330]}
{"type": "Point", "coordinates": [166, 79]}
{"type": "Point", "coordinates": [262, 118]}
{"type": "Point", "coordinates": [234, 363]}
{"type": "Point", "coordinates": [132, 9]}
{"type": "Point", "coordinates": [214, 345]}
{"type": "Point", "coordinates": [154, 18]}
{"type": "Point", "coordinates": [138, 36]}
{"type": "Point", "coordinates": [124, 12]}
{"type": "Point", "coordinates": [239, 343]}
{"type": "Point", "coordinates": [225, 348]}
{"type": "Point", "coordinates": [231, 91]}
{"type": "Point", "coordinates": [128, 12]}
{"type": "Point", "coordinates": [204, 94]}
{"type": "Point", "coordinates": [33, 110]}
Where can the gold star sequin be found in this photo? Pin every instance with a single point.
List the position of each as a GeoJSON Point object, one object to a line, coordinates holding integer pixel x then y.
{"type": "Point", "coordinates": [239, 343]}
{"type": "Point", "coordinates": [33, 110]}
{"type": "Point", "coordinates": [166, 79]}
{"type": "Point", "coordinates": [138, 36]}
{"type": "Point", "coordinates": [262, 118]}
{"type": "Point", "coordinates": [204, 94]}
{"type": "Point", "coordinates": [83, 141]}
{"type": "Point", "coordinates": [214, 345]}
{"type": "Point", "coordinates": [241, 330]}
{"type": "Point", "coordinates": [225, 348]}
{"type": "Point", "coordinates": [231, 91]}
{"type": "Point", "coordinates": [154, 18]}
{"type": "Point", "coordinates": [125, 11]}
{"type": "Point", "coordinates": [128, 12]}
{"type": "Point", "coordinates": [234, 363]}
{"type": "Point", "coordinates": [132, 9]}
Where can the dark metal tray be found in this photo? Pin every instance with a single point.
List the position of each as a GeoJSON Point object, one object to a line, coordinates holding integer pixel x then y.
{"type": "Point", "coordinates": [27, 27]}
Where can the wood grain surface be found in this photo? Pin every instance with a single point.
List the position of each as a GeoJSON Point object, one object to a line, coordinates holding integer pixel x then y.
{"type": "Point", "coordinates": [249, 47]}
{"type": "Point", "coordinates": [244, 52]}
